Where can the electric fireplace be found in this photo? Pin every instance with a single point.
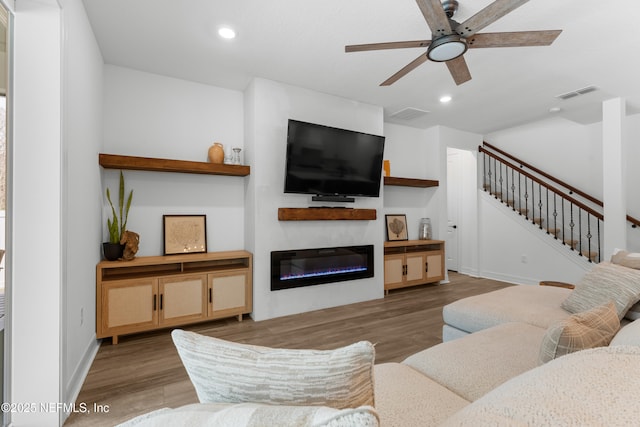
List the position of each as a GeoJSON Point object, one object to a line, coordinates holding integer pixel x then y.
{"type": "Point", "coordinates": [307, 267]}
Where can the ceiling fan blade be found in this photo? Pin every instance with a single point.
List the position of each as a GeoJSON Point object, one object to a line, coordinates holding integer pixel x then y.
{"type": "Point", "coordinates": [388, 45]}
{"type": "Point", "coordinates": [488, 15]}
{"type": "Point", "coordinates": [405, 70]}
{"type": "Point", "coordinates": [513, 39]}
{"type": "Point", "coordinates": [459, 70]}
{"type": "Point", "coordinates": [435, 16]}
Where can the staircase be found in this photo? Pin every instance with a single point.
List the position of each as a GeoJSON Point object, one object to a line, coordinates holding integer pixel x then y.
{"type": "Point", "coordinates": [561, 211]}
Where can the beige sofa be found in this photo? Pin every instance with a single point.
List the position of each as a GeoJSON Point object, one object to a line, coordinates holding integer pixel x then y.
{"type": "Point", "coordinates": [490, 375]}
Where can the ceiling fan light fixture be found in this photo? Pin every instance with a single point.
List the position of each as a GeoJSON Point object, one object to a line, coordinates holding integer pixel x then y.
{"type": "Point", "coordinates": [446, 48]}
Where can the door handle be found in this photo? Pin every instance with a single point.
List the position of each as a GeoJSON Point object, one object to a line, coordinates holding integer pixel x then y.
{"type": "Point", "coordinates": [161, 295]}
{"type": "Point", "coordinates": [454, 226]}
{"type": "Point", "coordinates": [154, 301]}
{"type": "Point", "coordinates": [426, 267]}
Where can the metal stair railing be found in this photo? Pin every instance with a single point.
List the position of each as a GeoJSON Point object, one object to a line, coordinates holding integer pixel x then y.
{"type": "Point", "coordinates": [551, 209]}
{"type": "Point", "coordinates": [632, 221]}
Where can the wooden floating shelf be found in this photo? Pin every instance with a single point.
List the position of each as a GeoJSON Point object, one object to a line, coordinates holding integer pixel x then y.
{"type": "Point", "coordinates": [323, 214]}
{"type": "Point", "coordinates": [113, 161]}
{"type": "Point", "coordinates": [410, 182]}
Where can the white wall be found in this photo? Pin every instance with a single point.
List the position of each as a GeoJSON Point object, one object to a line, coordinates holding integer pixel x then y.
{"type": "Point", "coordinates": [82, 201]}
{"type": "Point", "coordinates": [154, 116]}
{"type": "Point", "coordinates": [570, 151]}
{"type": "Point", "coordinates": [35, 261]}
{"type": "Point", "coordinates": [413, 153]}
{"type": "Point", "coordinates": [269, 105]}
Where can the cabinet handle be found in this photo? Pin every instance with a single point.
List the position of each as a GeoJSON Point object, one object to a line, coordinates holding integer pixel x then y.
{"type": "Point", "coordinates": [161, 295]}
{"type": "Point", "coordinates": [426, 267]}
{"type": "Point", "coordinates": [154, 301]}
{"type": "Point", "coordinates": [210, 296]}
{"type": "Point", "coordinates": [404, 270]}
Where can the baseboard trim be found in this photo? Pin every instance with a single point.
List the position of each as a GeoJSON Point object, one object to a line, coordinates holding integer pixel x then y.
{"type": "Point", "coordinates": [74, 385]}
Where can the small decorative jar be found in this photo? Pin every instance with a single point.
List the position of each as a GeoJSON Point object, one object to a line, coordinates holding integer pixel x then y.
{"type": "Point", "coordinates": [424, 232]}
{"type": "Point", "coordinates": [236, 156]}
{"type": "Point", "coordinates": [216, 153]}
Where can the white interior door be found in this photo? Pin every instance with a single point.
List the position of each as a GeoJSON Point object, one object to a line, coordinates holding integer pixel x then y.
{"type": "Point", "coordinates": [454, 192]}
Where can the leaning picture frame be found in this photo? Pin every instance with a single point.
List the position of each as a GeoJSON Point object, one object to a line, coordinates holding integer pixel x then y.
{"type": "Point", "coordinates": [184, 234]}
{"type": "Point", "coordinates": [396, 227]}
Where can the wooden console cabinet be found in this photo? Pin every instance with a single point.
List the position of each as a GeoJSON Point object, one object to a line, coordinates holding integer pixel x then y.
{"type": "Point", "coordinates": [413, 262]}
{"type": "Point", "coordinates": [166, 291]}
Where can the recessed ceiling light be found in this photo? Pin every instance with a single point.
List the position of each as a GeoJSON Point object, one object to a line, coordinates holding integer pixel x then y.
{"type": "Point", "coordinates": [445, 99]}
{"type": "Point", "coordinates": [555, 109]}
{"type": "Point", "coordinates": [226, 33]}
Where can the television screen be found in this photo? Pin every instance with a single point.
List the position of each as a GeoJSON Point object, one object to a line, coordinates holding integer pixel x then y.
{"type": "Point", "coordinates": [327, 161]}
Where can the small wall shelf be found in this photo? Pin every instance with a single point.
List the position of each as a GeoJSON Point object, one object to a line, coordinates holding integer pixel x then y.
{"type": "Point", "coordinates": [410, 182]}
{"type": "Point", "coordinates": [113, 161]}
{"type": "Point", "coordinates": [315, 214]}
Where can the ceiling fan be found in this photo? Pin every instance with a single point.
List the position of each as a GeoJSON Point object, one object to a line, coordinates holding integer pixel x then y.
{"type": "Point", "coordinates": [450, 39]}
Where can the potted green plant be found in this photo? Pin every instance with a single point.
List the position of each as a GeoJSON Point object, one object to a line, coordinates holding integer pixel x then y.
{"type": "Point", "coordinates": [117, 224]}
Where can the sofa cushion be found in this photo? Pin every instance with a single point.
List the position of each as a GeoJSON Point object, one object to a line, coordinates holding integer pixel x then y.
{"type": "Point", "coordinates": [478, 363]}
{"type": "Point", "coordinates": [628, 335]}
{"type": "Point", "coordinates": [626, 259]}
{"type": "Point", "coordinates": [596, 387]}
{"type": "Point", "coordinates": [603, 283]}
{"type": "Point", "coordinates": [223, 371]}
{"type": "Point", "coordinates": [405, 397]}
{"type": "Point", "coordinates": [535, 305]}
{"type": "Point", "coordinates": [256, 415]}
{"type": "Point", "coordinates": [589, 329]}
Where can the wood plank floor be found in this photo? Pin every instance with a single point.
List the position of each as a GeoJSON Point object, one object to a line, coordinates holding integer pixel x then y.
{"type": "Point", "coordinates": [143, 372]}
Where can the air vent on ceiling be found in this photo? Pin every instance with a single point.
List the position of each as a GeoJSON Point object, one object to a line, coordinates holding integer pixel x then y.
{"type": "Point", "coordinates": [409, 113]}
{"type": "Point", "coordinates": [578, 92]}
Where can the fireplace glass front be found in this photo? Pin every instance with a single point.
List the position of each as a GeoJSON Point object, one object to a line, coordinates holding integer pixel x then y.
{"type": "Point", "coordinates": [307, 267]}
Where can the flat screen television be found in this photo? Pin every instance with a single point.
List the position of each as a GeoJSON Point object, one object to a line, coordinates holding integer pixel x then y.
{"type": "Point", "coordinates": [332, 164]}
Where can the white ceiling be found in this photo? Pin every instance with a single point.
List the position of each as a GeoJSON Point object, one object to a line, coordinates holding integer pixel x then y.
{"type": "Point", "coordinates": [302, 43]}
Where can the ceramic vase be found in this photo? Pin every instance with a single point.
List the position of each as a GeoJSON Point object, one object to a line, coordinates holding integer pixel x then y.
{"type": "Point", "coordinates": [216, 153]}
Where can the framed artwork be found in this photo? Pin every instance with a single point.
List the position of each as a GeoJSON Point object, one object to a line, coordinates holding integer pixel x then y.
{"type": "Point", "coordinates": [396, 227]}
{"type": "Point", "coordinates": [184, 234]}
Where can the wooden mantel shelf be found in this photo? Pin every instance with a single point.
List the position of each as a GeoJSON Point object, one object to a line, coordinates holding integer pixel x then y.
{"type": "Point", "coordinates": [114, 161]}
{"type": "Point", "coordinates": [321, 214]}
{"type": "Point", "coordinates": [410, 182]}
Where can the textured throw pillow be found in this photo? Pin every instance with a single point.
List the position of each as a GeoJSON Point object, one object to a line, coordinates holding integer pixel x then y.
{"type": "Point", "coordinates": [223, 371]}
{"type": "Point", "coordinates": [605, 282]}
{"type": "Point", "coordinates": [593, 328]}
{"type": "Point", "coordinates": [626, 259]}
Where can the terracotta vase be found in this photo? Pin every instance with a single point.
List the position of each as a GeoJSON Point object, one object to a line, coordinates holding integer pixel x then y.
{"type": "Point", "coordinates": [216, 153]}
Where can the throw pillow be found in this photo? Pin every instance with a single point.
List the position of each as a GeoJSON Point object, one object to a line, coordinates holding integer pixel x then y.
{"type": "Point", "coordinates": [626, 259]}
{"type": "Point", "coordinates": [223, 371]}
{"type": "Point", "coordinates": [593, 328]}
{"type": "Point", "coordinates": [605, 282]}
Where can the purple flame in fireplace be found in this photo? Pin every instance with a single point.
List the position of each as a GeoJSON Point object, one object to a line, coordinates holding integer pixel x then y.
{"type": "Point", "coordinates": [321, 273]}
